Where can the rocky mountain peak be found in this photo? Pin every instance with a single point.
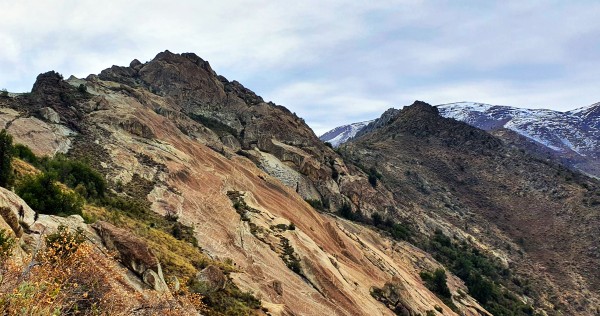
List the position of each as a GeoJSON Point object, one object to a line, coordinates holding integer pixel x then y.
{"type": "Point", "coordinates": [49, 83]}
{"type": "Point", "coordinates": [423, 120]}
{"type": "Point", "coordinates": [421, 107]}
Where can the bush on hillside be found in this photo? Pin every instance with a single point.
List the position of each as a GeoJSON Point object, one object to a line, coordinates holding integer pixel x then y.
{"type": "Point", "coordinates": [6, 152]}
{"type": "Point", "coordinates": [24, 153]}
{"type": "Point", "coordinates": [44, 195]}
{"type": "Point", "coordinates": [77, 174]}
{"type": "Point", "coordinates": [436, 282]}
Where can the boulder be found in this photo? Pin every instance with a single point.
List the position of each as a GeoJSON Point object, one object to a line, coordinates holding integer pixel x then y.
{"type": "Point", "coordinates": [13, 209]}
{"type": "Point", "coordinates": [134, 253]}
{"type": "Point", "coordinates": [213, 277]}
{"type": "Point", "coordinates": [50, 115]}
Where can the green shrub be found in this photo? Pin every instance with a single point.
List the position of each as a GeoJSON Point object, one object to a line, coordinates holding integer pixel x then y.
{"type": "Point", "coordinates": [24, 153]}
{"type": "Point", "coordinates": [436, 282]}
{"type": "Point", "coordinates": [74, 173]}
{"type": "Point", "coordinates": [316, 204]}
{"type": "Point", "coordinates": [78, 175]}
{"type": "Point", "coordinates": [6, 153]}
{"type": "Point", "coordinates": [228, 301]}
{"type": "Point", "coordinates": [290, 257]}
{"type": "Point", "coordinates": [374, 176]}
{"type": "Point", "coordinates": [400, 232]}
{"type": "Point", "coordinates": [214, 124]}
{"type": "Point", "coordinates": [44, 195]}
{"type": "Point", "coordinates": [6, 245]}
{"type": "Point", "coordinates": [345, 211]}
{"type": "Point", "coordinates": [376, 219]}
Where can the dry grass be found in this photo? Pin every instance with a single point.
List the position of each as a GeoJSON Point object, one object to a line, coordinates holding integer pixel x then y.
{"type": "Point", "coordinates": [71, 277]}
{"type": "Point", "coordinates": [178, 258]}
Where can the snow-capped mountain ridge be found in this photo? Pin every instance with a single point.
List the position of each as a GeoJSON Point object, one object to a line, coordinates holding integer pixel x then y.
{"type": "Point", "coordinates": [575, 131]}
{"type": "Point", "coordinates": [342, 134]}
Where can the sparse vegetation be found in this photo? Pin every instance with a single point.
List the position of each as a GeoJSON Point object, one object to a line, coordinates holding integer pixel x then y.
{"type": "Point", "coordinates": [63, 281]}
{"type": "Point", "coordinates": [24, 153]}
{"type": "Point", "coordinates": [63, 243]}
{"type": "Point", "coordinates": [214, 124]}
{"type": "Point", "coordinates": [398, 231]}
{"type": "Point", "coordinates": [4, 93]}
{"type": "Point", "coordinates": [289, 256]}
{"type": "Point", "coordinates": [485, 278]}
{"type": "Point", "coordinates": [228, 301]}
{"type": "Point", "coordinates": [316, 204]}
{"type": "Point", "coordinates": [346, 212]}
{"type": "Point", "coordinates": [436, 282]}
{"type": "Point", "coordinates": [82, 88]}
{"type": "Point", "coordinates": [6, 245]}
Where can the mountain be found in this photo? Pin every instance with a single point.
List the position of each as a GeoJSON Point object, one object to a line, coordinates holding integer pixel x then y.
{"type": "Point", "coordinates": [574, 136]}
{"type": "Point", "coordinates": [209, 190]}
{"type": "Point", "coordinates": [540, 217]}
{"type": "Point", "coordinates": [342, 134]}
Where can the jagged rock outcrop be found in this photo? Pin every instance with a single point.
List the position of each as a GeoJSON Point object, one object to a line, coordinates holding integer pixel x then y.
{"type": "Point", "coordinates": [244, 121]}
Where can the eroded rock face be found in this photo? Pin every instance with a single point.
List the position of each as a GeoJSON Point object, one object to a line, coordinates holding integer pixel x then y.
{"type": "Point", "coordinates": [133, 253]}
{"type": "Point", "coordinates": [44, 139]}
{"type": "Point", "coordinates": [11, 209]}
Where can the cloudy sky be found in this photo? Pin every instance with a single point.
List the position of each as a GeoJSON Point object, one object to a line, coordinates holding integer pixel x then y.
{"type": "Point", "coordinates": [331, 62]}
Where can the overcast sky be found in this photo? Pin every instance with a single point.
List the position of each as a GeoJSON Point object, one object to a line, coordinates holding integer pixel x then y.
{"type": "Point", "coordinates": [331, 62]}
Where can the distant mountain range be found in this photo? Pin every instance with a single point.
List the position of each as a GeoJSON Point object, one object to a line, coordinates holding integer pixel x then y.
{"type": "Point", "coordinates": [573, 136]}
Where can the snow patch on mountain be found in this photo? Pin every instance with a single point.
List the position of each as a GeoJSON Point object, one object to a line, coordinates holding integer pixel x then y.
{"type": "Point", "coordinates": [342, 134]}
{"type": "Point", "coordinates": [573, 131]}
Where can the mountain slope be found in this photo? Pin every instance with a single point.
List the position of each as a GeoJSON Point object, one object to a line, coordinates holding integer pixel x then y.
{"type": "Point", "coordinates": [210, 153]}
{"type": "Point", "coordinates": [540, 217]}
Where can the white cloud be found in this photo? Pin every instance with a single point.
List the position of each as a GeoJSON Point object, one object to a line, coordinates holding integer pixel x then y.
{"type": "Point", "coordinates": [332, 62]}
